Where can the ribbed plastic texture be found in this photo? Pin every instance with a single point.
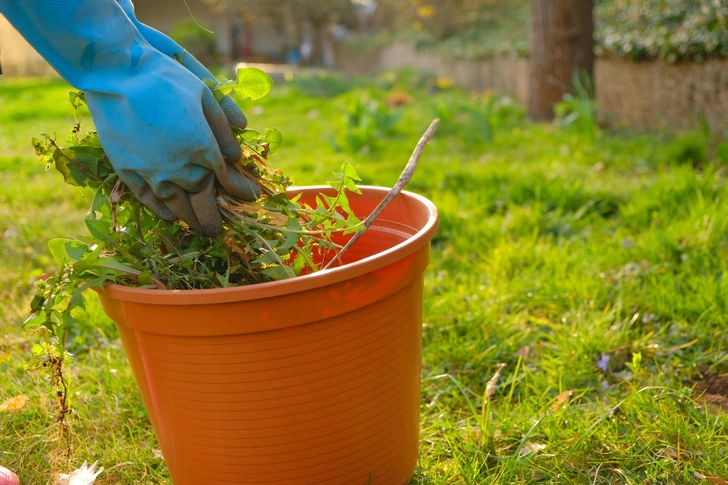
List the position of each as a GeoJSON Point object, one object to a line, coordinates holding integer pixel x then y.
{"type": "Point", "coordinates": [314, 380]}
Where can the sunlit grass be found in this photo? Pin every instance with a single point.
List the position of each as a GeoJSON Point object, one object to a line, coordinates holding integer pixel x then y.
{"type": "Point", "coordinates": [552, 251]}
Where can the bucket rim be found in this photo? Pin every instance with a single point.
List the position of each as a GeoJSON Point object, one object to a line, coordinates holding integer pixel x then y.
{"type": "Point", "coordinates": [293, 285]}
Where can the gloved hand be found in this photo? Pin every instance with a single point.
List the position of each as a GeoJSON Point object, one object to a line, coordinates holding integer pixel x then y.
{"type": "Point", "coordinates": [162, 128]}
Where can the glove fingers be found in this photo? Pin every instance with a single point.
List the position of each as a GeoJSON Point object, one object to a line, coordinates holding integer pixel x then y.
{"type": "Point", "coordinates": [199, 210]}
{"type": "Point", "coordinates": [229, 146]}
{"type": "Point", "coordinates": [233, 113]}
{"type": "Point", "coordinates": [178, 200]}
{"type": "Point", "coordinates": [205, 207]}
{"type": "Point", "coordinates": [238, 185]}
{"type": "Point", "coordinates": [143, 191]}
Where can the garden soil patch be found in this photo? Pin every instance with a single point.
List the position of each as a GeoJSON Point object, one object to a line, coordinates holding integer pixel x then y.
{"type": "Point", "coordinates": [713, 390]}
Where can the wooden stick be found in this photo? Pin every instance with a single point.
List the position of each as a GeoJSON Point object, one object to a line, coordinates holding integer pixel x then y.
{"type": "Point", "coordinates": [404, 179]}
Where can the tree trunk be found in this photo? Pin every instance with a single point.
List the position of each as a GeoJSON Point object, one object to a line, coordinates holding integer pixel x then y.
{"type": "Point", "coordinates": [562, 41]}
{"type": "Point", "coordinates": [317, 42]}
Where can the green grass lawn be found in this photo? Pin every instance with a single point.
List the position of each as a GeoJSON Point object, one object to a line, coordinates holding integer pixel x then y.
{"type": "Point", "coordinates": [592, 269]}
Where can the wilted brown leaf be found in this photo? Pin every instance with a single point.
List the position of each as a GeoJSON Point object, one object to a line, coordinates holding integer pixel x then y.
{"type": "Point", "coordinates": [671, 453]}
{"type": "Point", "coordinates": [274, 219]}
{"type": "Point", "coordinates": [493, 382]}
{"type": "Point", "coordinates": [561, 399]}
{"type": "Point", "coordinates": [713, 480]}
{"type": "Point", "coordinates": [14, 403]}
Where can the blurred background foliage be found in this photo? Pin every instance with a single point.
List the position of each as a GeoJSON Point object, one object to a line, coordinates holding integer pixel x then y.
{"type": "Point", "coordinates": [636, 29]}
{"type": "Point", "coordinates": [196, 38]}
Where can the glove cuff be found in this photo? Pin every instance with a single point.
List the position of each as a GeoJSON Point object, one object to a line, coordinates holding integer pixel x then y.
{"type": "Point", "coordinates": [22, 13]}
{"type": "Point", "coordinates": [92, 44]}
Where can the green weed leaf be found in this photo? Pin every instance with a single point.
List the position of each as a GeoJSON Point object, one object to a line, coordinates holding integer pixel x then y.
{"type": "Point", "coordinates": [99, 228]}
{"type": "Point", "coordinates": [252, 83]}
{"type": "Point", "coordinates": [274, 138]}
{"type": "Point", "coordinates": [35, 320]}
{"type": "Point", "coordinates": [250, 136]}
{"type": "Point", "coordinates": [66, 251]}
{"type": "Point", "coordinates": [279, 272]}
{"type": "Point", "coordinates": [145, 279]}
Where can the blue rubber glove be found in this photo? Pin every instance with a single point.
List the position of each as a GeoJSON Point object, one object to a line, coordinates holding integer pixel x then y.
{"type": "Point", "coordinates": [164, 132]}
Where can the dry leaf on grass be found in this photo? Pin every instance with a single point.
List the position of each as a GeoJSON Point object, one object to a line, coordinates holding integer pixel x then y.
{"type": "Point", "coordinates": [157, 454]}
{"type": "Point", "coordinates": [523, 352]}
{"type": "Point", "coordinates": [531, 447]}
{"type": "Point", "coordinates": [714, 480]}
{"type": "Point", "coordinates": [673, 454]}
{"type": "Point", "coordinates": [493, 382]}
{"type": "Point", "coordinates": [14, 403]}
{"type": "Point", "coordinates": [561, 399]}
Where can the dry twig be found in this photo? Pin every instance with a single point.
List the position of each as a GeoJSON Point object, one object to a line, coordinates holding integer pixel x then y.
{"type": "Point", "coordinates": [404, 179]}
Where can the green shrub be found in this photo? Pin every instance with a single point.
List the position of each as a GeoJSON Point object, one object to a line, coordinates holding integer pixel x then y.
{"type": "Point", "coordinates": [323, 84]}
{"type": "Point", "coordinates": [668, 29]}
{"type": "Point", "coordinates": [578, 111]}
{"type": "Point", "coordinates": [477, 119]}
{"type": "Point", "coordinates": [721, 152]}
{"type": "Point", "coordinates": [403, 79]}
{"type": "Point", "coordinates": [365, 120]}
{"type": "Point", "coordinates": [691, 148]}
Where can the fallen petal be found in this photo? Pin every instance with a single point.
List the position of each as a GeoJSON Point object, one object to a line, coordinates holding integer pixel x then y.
{"type": "Point", "coordinates": [86, 475]}
{"type": "Point", "coordinates": [7, 477]}
{"type": "Point", "coordinates": [14, 403]}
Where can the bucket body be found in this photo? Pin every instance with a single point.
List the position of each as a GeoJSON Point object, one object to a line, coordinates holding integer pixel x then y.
{"type": "Point", "coordinates": [313, 380]}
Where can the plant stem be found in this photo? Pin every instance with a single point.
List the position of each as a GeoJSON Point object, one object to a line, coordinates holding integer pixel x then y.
{"type": "Point", "coordinates": [404, 179]}
{"type": "Point", "coordinates": [235, 218]}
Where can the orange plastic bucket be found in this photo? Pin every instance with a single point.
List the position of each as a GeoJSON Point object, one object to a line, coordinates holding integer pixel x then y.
{"type": "Point", "coordinates": [313, 380]}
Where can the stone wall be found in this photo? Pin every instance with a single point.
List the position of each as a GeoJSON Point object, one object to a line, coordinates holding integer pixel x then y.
{"type": "Point", "coordinates": [648, 94]}
{"type": "Point", "coordinates": [656, 94]}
